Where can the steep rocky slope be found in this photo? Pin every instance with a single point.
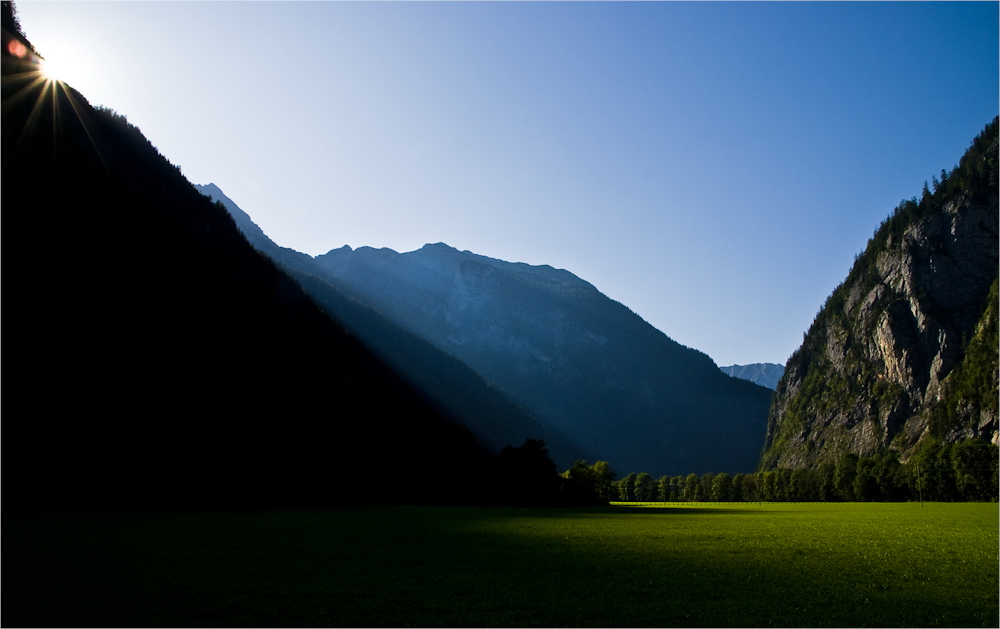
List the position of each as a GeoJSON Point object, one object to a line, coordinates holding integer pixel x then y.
{"type": "Point", "coordinates": [905, 349]}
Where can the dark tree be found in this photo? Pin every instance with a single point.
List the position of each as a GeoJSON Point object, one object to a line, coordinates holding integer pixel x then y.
{"type": "Point", "coordinates": [866, 487]}
{"type": "Point", "coordinates": [626, 488]}
{"type": "Point", "coordinates": [825, 489]}
{"type": "Point", "coordinates": [722, 487]}
{"type": "Point", "coordinates": [844, 475]}
{"type": "Point", "coordinates": [690, 487]}
{"type": "Point", "coordinates": [975, 465]}
{"type": "Point", "coordinates": [527, 475]}
{"type": "Point", "coordinates": [645, 489]}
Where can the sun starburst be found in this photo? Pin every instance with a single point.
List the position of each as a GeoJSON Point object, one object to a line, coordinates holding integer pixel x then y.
{"type": "Point", "coordinates": [41, 81]}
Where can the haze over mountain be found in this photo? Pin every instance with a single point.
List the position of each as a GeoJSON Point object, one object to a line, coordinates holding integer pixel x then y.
{"type": "Point", "coordinates": [575, 358]}
{"type": "Point", "coordinates": [583, 364]}
{"type": "Point", "coordinates": [904, 352]}
{"type": "Point", "coordinates": [463, 394]}
{"type": "Point", "coordinates": [764, 374]}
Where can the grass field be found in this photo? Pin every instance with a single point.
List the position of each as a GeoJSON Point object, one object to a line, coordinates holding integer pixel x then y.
{"type": "Point", "coordinates": [682, 565]}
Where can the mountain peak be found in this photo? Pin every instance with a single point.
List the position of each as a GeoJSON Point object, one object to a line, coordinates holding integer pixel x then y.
{"type": "Point", "coordinates": [764, 374]}
{"type": "Point", "coordinates": [439, 246]}
{"type": "Point", "coordinates": [570, 355]}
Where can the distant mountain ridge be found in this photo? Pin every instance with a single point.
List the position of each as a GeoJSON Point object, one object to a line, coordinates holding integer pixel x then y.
{"type": "Point", "coordinates": [576, 359]}
{"type": "Point", "coordinates": [764, 374]}
{"type": "Point", "coordinates": [491, 415]}
{"type": "Point", "coordinates": [586, 366]}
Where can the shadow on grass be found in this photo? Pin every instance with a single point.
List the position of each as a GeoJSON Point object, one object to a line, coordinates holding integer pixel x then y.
{"type": "Point", "coordinates": [439, 566]}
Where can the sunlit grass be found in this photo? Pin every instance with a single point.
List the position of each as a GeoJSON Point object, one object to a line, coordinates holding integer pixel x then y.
{"type": "Point", "coordinates": [705, 565]}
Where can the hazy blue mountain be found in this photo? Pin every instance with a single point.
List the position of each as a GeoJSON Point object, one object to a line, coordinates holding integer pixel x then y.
{"type": "Point", "coordinates": [603, 382]}
{"type": "Point", "coordinates": [577, 360]}
{"type": "Point", "coordinates": [459, 391]}
{"type": "Point", "coordinates": [764, 374]}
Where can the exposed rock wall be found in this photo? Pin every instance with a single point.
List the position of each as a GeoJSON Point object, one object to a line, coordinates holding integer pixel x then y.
{"type": "Point", "coordinates": [905, 348]}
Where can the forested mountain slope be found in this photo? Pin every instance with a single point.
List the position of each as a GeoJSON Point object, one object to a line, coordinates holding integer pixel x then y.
{"type": "Point", "coordinates": [579, 361]}
{"type": "Point", "coordinates": [905, 349]}
{"type": "Point", "coordinates": [460, 392]}
{"type": "Point", "coordinates": [604, 383]}
{"type": "Point", "coordinates": [155, 359]}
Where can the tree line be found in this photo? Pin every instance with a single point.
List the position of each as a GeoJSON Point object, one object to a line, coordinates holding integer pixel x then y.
{"type": "Point", "coordinates": [938, 471]}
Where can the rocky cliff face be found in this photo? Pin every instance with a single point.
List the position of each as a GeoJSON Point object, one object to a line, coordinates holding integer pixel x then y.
{"type": "Point", "coordinates": [906, 347]}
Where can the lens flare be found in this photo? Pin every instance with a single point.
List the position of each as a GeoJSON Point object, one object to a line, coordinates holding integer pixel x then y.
{"type": "Point", "coordinates": [16, 48]}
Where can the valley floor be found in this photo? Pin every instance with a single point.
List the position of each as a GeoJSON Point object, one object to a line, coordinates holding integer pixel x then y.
{"type": "Point", "coordinates": [813, 564]}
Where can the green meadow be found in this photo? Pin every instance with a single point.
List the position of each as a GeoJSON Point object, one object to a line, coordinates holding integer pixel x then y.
{"type": "Point", "coordinates": [790, 564]}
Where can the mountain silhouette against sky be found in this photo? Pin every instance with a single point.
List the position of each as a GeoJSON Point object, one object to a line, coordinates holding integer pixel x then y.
{"type": "Point", "coordinates": [164, 363]}
{"type": "Point", "coordinates": [583, 364]}
{"type": "Point", "coordinates": [493, 417]}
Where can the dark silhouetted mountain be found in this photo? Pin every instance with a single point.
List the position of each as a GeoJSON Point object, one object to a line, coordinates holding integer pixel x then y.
{"type": "Point", "coordinates": [157, 360]}
{"type": "Point", "coordinates": [457, 389]}
{"type": "Point", "coordinates": [764, 374]}
{"type": "Point", "coordinates": [905, 350]}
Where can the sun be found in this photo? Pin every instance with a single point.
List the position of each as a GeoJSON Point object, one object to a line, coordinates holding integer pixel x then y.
{"type": "Point", "coordinates": [60, 64]}
{"type": "Point", "coordinates": [53, 70]}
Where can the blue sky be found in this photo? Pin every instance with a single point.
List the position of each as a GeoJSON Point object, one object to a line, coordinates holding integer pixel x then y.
{"type": "Point", "coordinates": [713, 166]}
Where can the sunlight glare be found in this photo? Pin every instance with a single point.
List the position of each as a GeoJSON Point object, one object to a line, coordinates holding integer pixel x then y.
{"type": "Point", "coordinates": [61, 66]}
{"type": "Point", "coordinates": [52, 71]}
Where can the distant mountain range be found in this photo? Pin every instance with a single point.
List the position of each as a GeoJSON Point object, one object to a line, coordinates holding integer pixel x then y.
{"type": "Point", "coordinates": [586, 366]}
{"type": "Point", "coordinates": [764, 374]}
